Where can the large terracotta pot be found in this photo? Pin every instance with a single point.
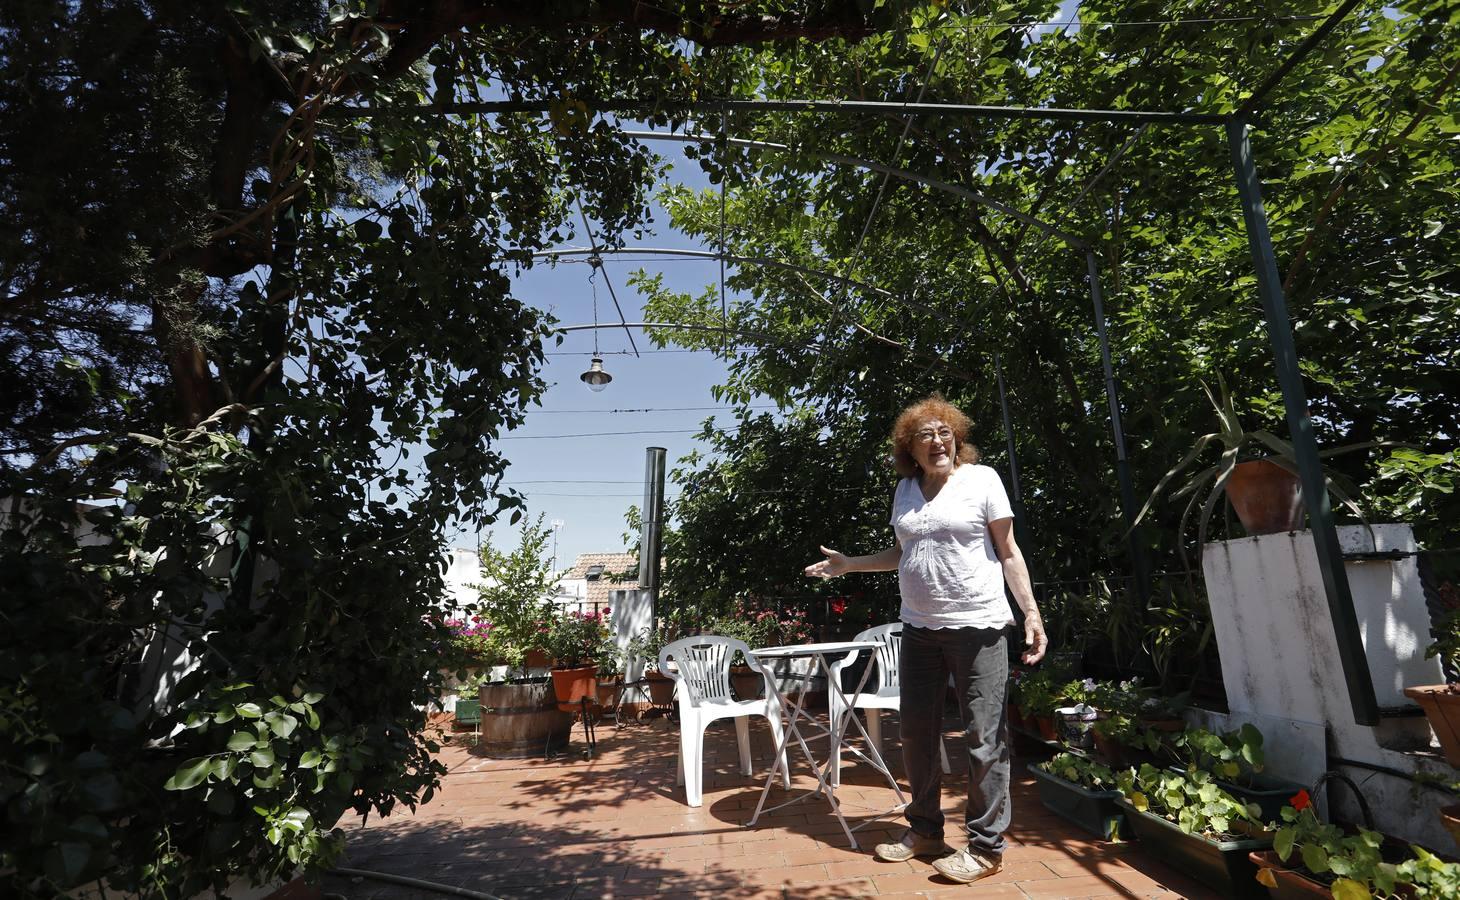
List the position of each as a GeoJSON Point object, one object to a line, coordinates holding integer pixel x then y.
{"type": "Point", "coordinates": [571, 685]}
{"type": "Point", "coordinates": [1441, 703]}
{"type": "Point", "coordinates": [747, 683]}
{"type": "Point", "coordinates": [661, 688]}
{"type": "Point", "coordinates": [1267, 497]}
{"type": "Point", "coordinates": [536, 659]}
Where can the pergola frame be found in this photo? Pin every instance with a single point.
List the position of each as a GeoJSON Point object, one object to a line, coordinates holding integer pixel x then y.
{"type": "Point", "coordinates": [1249, 188]}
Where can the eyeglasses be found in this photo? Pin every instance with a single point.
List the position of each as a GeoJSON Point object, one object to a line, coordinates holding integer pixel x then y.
{"type": "Point", "coordinates": [926, 435]}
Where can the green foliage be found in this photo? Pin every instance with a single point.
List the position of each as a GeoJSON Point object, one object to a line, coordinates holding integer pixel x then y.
{"type": "Point", "coordinates": [1233, 756]}
{"type": "Point", "coordinates": [1355, 863]}
{"type": "Point", "coordinates": [1204, 486]}
{"type": "Point", "coordinates": [575, 639]}
{"type": "Point", "coordinates": [513, 595]}
{"type": "Point", "coordinates": [1356, 152]}
{"type": "Point", "coordinates": [1190, 799]}
{"type": "Point", "coordinates": [256, 353]}
{"type": "Point", "coordinates": [1081, 770]}
{"type": "Point", "coordinates": [758, 626]}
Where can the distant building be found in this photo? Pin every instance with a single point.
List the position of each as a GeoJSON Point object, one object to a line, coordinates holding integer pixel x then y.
{"type": "Point", "coordinates": [586, 584]}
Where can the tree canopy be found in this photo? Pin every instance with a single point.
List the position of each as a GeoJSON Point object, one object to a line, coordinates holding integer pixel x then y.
{"type": "Point", "coordinates": [1357, 149]}
{"type": "Point", "coordinates": [230, 307]}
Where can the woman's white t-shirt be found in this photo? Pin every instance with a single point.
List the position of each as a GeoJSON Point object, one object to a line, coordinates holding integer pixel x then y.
{"type": "Point", "coordinates": [950, 575]}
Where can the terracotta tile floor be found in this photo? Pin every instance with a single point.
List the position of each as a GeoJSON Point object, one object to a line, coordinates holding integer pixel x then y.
{"type": "Point", "coordinates": [617, 826]}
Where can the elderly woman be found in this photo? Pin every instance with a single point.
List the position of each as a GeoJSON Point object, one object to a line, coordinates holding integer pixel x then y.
{"type": "Point", "coordinates": [954, 554]}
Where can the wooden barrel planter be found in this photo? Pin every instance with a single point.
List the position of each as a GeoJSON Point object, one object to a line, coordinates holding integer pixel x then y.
{"type": "Point", "coordinates": [521, 720]}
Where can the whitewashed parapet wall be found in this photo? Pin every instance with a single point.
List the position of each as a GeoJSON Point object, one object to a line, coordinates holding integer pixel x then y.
{"type": "Point", "coordinates": [1281, 669]}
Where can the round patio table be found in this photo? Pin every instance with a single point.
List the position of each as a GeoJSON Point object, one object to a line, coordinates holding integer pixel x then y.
{"type": "Point", "coordinates": [797, 716]}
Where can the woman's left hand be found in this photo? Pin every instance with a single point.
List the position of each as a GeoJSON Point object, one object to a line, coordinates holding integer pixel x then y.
{"type": "Point", "coordinates": [1035, 641]}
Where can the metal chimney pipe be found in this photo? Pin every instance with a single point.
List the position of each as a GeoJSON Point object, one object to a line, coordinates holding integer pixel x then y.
{"type": "Point", "coordinates": [652, 525]}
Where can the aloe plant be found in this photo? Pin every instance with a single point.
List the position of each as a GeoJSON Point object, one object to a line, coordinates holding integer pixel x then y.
{"type": "Point", "coordinates": [1204, 486]}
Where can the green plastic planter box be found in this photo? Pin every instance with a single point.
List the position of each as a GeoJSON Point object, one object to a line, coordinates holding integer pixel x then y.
{"type": "Point", "coordinates": [1224, 866]}
{"type": "Point", "coordinates": [1094, 811]}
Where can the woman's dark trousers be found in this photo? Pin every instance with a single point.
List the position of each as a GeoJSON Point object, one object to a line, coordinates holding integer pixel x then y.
{"type": "Point", "coordinates": [977, 660]}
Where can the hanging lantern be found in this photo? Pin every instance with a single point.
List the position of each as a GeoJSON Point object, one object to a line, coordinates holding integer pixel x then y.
{"type": "Point", "coordinates": [595, 377]}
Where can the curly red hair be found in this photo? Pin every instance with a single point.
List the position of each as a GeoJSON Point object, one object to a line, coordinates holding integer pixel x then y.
{"type": "Point", "coordinates": [914, 417]}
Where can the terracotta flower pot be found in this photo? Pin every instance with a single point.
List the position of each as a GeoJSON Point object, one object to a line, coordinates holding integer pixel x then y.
{"type": "Point", "coordinates": [661, 688]}
{"type": "Point", "coordinates": [536, 659]}
{"type": "Point", "coordinates": [572, 685]}
{"type": "Point", "coordinates": [1045, 725]}
{"type": "Point", "coordinates": [1450, 817]}
{"type": "Point", "coordinates": [1267, 497]}
{"type": "Point", "coordinates": [747, 683]}
{"type": "Point", "coordinates": [1441, 703]}
{"type": "Point", "coordinates": [608, 691]}
{"type": "Point", "coordinates": [1282, 882]}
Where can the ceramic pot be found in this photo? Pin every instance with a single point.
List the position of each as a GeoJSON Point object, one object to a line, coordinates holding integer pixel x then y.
{"type": "Point", "coordinates": [572, 685]}
{"type": "Point", "coordinates": [1441, 703]}
{"type": "Point", "coordinates": [1267, 497]}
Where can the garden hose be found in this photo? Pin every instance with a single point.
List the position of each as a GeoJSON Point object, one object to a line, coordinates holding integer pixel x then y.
{"type": "Point", "coordinates": [416, 882]}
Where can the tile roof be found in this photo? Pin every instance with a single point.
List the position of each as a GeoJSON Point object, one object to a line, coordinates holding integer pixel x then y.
{"type": "Point", "coordinates": [613, 564]}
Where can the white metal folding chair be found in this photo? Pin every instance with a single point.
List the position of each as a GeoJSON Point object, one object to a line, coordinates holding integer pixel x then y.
{"type": "Point", "coordinates": [702, 691]}
{"type": "Point", "coordinates": [884, 694]}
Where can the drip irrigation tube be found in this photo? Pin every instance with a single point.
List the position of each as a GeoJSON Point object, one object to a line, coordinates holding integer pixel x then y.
{"type": "Point", "coordinates": [1391, 771]}
{"type": "Point", "coordinates": [418, 883]}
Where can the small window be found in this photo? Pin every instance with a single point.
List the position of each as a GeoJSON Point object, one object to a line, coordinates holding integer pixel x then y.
{"type": "Point", "coordinates": [594, 573]}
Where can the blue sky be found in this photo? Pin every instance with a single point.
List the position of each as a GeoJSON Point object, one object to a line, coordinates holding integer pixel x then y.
{"type": "Point", "coordinates": [589, 482]}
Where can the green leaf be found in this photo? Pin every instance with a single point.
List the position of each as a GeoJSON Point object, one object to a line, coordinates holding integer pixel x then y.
{"type": "Point", "coordinates": [1282, 842]}
{"type": "Point", "coordinates": [188, 775]}
{"type": "Point", "coordinates": [1348, 889]}
{"type": "Point", "coordinates": [249, 710]}
{"type": "Point", "coordinates": [1315, 858]}
{"type": "Point", "coordinates": [66, 862]}
{"type": "Point", "coordinates": [262, 758]}
{"type": "Point", "coordinates": [241, 740]}
{"type": "Point", "coordinates": [309, 759]}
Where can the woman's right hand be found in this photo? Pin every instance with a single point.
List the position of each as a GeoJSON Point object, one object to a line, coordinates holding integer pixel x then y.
{"type": "Point", "coordinates": [835, 564]}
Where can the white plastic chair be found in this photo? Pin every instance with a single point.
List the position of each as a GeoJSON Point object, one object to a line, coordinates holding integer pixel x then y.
{"type": "Point", "coordinates": [881, 692]}
{"type": "Point", "coordinates": [702, 691]}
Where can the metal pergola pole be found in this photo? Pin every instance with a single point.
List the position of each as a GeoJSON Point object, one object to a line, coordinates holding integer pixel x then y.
{"type": "Point", "coordinates": [1305, 448]}
{"type": "Point", "coordinates": [1117, 431]}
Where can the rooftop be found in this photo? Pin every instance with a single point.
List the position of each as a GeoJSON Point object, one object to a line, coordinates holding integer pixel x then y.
{"type": "Point", "coordinates": [617, 826]}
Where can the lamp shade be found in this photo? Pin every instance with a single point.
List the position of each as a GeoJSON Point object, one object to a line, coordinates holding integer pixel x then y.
{"type": "Point", "coordinates": [595, 377]}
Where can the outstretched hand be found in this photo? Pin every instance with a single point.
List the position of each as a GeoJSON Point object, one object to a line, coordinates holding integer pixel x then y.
{"type": "Point", "coordinates": [1035, 640]}
{"type": "Point", "coordinates": [835, 564]}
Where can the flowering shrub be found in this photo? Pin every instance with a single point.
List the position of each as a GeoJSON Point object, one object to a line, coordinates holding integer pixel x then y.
{"type": "Point", "coordinates": [576, 639]}
{"type": "Point", "coordinates": [761, 627]}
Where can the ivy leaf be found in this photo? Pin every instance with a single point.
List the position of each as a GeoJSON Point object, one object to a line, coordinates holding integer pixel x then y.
{"type": "Point", "coordinates": [241, 740]}
{"type": "Point", "coordinates": [188, 775]}
{"type": "Point", "coordinates": [66, 862]}
{"type": "Point", "coordinates": [249, 710]}
{"type": "Point", "coordinates": [309, 759]}
{"type": "Point", "coordinates": [262, 758]}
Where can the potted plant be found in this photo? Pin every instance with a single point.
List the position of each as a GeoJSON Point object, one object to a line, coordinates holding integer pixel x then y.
{"type": "Point", "coordinates": [579, 643]}
{"type": "Point", "coordinates": [1235, 760]}
{"type": "Point", "coordinates": [646, 646]}
{"type": "Point", "coordinates": [1263, 489]}
{"type": "Point", "coordinates": [1083, 791]}
{"type": "Point", "coordinates": [1192, 823]}
{"type": "Point", "coordinates": [1130, 725]}
{"type": "Point", "coordinates": [1313, 858]}
{"type": "Point", "coordinates": [1441, 702]}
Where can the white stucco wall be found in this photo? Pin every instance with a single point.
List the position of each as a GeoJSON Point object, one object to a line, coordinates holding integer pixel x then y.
{"type": "Point", "coordinates": [1281, 668]}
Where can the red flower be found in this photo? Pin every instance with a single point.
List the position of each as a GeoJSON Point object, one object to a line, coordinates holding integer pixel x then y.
{"type": "Point", "coordinates": [838, 605]}
{"type": "Point", "coordinates": [1300, 801]}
